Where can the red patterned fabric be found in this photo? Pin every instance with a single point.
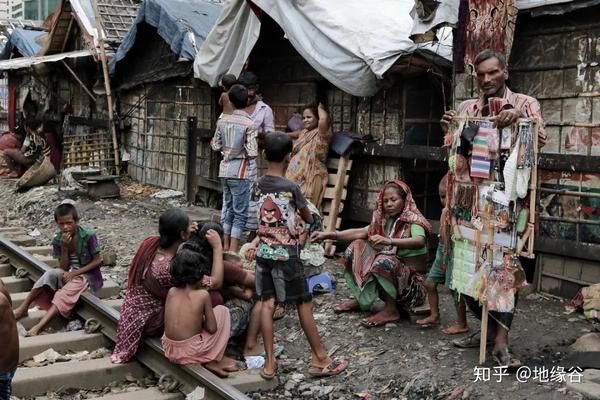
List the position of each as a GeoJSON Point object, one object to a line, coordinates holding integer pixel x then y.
{"type": "Point", "coordinates": [410, 214]}
{"type": "Point", "coordinates": [491, 26]}
{"type": "Point", "coordinates": [142, 312]}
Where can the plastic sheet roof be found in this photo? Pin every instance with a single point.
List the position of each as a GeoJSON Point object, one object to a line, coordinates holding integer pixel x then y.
{"type": "Point", "coordinates": [182, 24]}
{"type": "Point", "coordinates": [28, 42]}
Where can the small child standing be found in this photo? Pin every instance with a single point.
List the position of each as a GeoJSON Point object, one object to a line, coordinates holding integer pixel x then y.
{"type": "Point", "coordinates": [227, 82]}
{"type": "Point", "coordinates": [235, 138]}
{"type": "Point", "coordinates": [440, 275]}
{"type": "Point", "coordinates": [279, 271]}
{"type": "Point", "coordinates": [194, 331]}
{"type": "Point", "coordinates": [59, 289]}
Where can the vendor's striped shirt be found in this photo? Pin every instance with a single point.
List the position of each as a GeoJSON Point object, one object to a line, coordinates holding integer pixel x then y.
{"type": "Point", "coordinates": [527, 105]}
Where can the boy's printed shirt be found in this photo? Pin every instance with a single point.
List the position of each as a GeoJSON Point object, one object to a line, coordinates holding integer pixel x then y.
{"type": "Point", "coordinates": [87, 246]}
{"type": "Point", "coordinates": [279, 225]}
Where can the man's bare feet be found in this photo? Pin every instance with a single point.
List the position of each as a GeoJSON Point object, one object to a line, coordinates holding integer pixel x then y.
{"type": "Point", "coordinates": [431, 320]}
{"type": "Point", "coordinates": [381, 318]}
{"type": "Point", "coordinates": [455, 329]}
{"type": "Point", "coordinates": [347, 306]}
{"type": "Point", "coordinates": [20, 312]}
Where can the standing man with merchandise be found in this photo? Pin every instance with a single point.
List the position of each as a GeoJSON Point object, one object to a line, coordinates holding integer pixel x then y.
{"type": "Point", "coordinates": [492, 74]}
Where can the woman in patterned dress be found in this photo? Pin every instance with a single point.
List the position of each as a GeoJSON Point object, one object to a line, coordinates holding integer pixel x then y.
{"type": "Point", "coordinates": [307, 163]}
{"type": "Point", "coordinates": [149, 280]}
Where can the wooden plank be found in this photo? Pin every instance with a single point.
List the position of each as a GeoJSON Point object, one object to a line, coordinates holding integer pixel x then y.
{"type": "Point", "coordinates": [327, 208]}
{"type": "Point", "coordinates": [569, 162]}
{"type": "Point", "coordinates": [330, 193]}
{"type": "Point", "coordinates": [332, 180]}
{"type": "Point", "coordinates": [333, 163]}
{"type": "Point", "coordinates": [567, 248]}
{"type": "Point", "coordinates": [209, 184]}
{"type": "Point", "coordinates": [337, 194]}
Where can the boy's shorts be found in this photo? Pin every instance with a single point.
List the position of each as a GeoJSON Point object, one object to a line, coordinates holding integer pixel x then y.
{"type": "Point", "coordinates": [283, 280]}
{"type": "Point", "coordinates": [437, 274]}
{"type": "Point", "coordinates": [6, 384]}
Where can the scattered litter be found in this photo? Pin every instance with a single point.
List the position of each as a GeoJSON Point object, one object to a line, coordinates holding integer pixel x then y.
{"type": "Point", "coordinates": [255, 362]}
{"type": "Point", "coordinates": [167, 194]}
{"type": "Point", "coordinates": [75, 325]}
{"type": "Point", "coordinates": [49, 355]}
{"type": "Point", "coordinates": [35, 233]}
{"type": "Point", "coordinates": [197, 394]}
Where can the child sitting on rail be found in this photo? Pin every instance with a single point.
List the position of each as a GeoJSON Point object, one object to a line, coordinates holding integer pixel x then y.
{"type": "Point", "coordinates": [59, 289]}
{"type": "Point", "coordinates": [194, 331]}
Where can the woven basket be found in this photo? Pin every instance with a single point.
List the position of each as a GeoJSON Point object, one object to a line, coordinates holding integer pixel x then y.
{"type": "Point", "coordinates": [37, 175]}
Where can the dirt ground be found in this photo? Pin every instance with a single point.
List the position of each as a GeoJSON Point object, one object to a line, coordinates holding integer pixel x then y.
{"type": "Point", "coordinates": [398, 361]}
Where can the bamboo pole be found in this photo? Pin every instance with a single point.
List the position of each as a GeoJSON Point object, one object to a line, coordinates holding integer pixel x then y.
{"type": "Point", "coordinates": [111, 121]}
{"type": "Point", "coordinates": [79, 81]}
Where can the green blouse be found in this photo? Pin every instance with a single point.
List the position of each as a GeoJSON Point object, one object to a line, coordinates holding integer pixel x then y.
{"type": "Point", "coordinates": [415, 231]}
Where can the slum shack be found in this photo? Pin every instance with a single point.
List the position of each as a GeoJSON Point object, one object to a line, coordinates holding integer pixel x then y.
{"type": "Point", "coordinates": [57, 82]}
{"type": "Point", "coordinates": [157, 97]}
{"type": "Point", "coordinates": [390, 93]}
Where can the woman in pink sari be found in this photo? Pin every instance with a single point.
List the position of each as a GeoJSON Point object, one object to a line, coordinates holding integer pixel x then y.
{"type": "Point", "coordinates": [307, 163]}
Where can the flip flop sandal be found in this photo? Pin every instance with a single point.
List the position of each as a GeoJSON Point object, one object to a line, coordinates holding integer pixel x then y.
{"type": "Point", "coordinates": [504, 358]}
{"type": "Point", "coordinates": [266, 376]}
{"type": "Point", "coordinates": [335, 367]}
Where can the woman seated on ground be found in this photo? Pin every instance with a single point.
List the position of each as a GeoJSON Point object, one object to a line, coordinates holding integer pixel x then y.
{"type": "Point", "coordinates": [149, 280]}
{"type": "Point", "coordinates": [10, 141]}
{"type": "Point", "coordinates": [18, 160]}
{"type": "Point", "coordinates": [307, 163]}
{"type": "Point", "coordinates": [385, 259]}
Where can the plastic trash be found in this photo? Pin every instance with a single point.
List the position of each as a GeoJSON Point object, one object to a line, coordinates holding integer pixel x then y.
{"type": "Point", "coordinates": [255, 362]}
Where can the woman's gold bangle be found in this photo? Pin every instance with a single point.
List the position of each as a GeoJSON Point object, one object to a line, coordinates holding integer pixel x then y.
{"type": "Point", "coordinates": [335, 235]}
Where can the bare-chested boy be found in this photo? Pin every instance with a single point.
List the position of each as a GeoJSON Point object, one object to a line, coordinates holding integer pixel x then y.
{"type": "Point", "coordinates": [9, 355]}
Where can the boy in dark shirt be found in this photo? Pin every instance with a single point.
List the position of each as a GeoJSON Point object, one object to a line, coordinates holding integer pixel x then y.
{"type": "Point", "coordinates": [279, 271]}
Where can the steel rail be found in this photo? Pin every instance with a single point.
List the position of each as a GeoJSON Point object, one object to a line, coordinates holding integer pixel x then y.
{"type": "Point", "coordinates": [150, 352]}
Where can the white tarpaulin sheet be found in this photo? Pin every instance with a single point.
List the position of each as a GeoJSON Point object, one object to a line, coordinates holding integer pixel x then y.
{"type": "Point", "coordinates": [351, 44]}
{"type": "Point", "coordinates": [24, 62]}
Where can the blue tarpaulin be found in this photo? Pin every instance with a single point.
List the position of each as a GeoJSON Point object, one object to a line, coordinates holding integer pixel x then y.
{"type": "Point", "coordinates": [25, 41]}
{"type": "Point", "coordinates": [183, 24]}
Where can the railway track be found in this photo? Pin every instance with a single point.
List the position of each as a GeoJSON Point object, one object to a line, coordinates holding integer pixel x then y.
{"type": "Point", "coordinates": [25, 265]}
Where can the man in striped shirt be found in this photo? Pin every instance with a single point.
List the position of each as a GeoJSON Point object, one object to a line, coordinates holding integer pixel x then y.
{"type": "Point", "coordinates": [235, 138]}
{"type": "Point", "coordinates": [492, 73]}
